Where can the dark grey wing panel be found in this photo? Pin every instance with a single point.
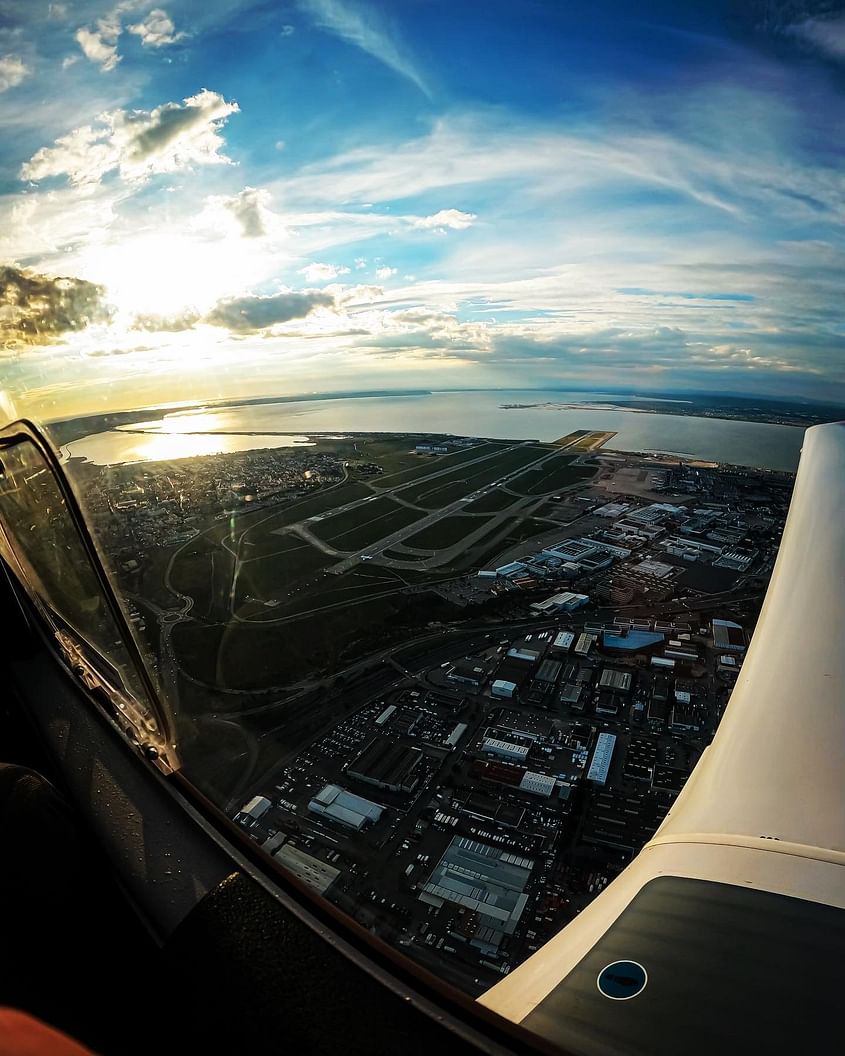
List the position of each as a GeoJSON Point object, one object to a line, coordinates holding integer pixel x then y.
{"type": "Point", "coordinates": [728, 970]}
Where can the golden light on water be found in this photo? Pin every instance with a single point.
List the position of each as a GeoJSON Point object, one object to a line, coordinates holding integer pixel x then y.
{"type": "Point", "coordinates": [155, 447]}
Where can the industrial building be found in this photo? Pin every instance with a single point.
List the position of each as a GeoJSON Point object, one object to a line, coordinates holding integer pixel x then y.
{"type": "Point", "coordinates": [528, 656]}
{"type": "Point", "coordinates": [511, 569]}
{"type": "Point", "coordinates": [656, 512]}
{"type": "Point", "coordinates": [253, 810]}
{"type": "Point", "coordinates": [468, 672]}
{"type": "Point", "coordinates": [388, 764]}
{"type": "Point", "coordinates": [406, 721]}
{"type": "Point", "coordinates": [525, 725]}
{"type": "Point", "coordinates": [486, 880]}
{"type": "Point", "coordinates": [563, 641]}
{"type": "Point", "coordinates": [336, 804]}
{"type": "Point", "coordinates": [613, 679]}
{"type": "Point", "coordinates": [503, 689]}
{"type": "Point", "coordinates": [570, 693]}
{"type": "Point", "coordinates": [538, 784]}
{"type": "Point", "coordinates": [566, 601]}
{"type": "Point", "coordinates": [631, 641]}
{"type": "Point", "coordinates": [506, 745]}
{"type": "Point", "coordinates": [612, 509]}
{"type": "Point", "coordinates": [571, 550]}
{"type": "Point", "coordinates": [312, 871]}
{"type": "Point", "coordinates": [385, 715]}
{"type": "Point", "coordinates": [728, 636]}
{"type": "Point", "coordinates": [602, 755]}
{"type": "Point", "coordinates": [584, 644]}
{"type": "Point", "coordinates": [549, 671]}
{"type": "Point", "coordinates": [456, 734]}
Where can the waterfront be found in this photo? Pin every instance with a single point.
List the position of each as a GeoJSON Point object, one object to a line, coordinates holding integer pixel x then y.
{"type": "Point", "coordinates": [248, 426]}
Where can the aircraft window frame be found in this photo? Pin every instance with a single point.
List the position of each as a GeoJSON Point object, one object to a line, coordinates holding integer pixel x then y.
{"type": "Point", "coordinates": [465, 1016]}
{"type": "Point", "coordinates": [147, 722]}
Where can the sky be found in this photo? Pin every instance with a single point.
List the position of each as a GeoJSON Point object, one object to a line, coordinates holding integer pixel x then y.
{"type": "Point", "coordinates": [212, 198]}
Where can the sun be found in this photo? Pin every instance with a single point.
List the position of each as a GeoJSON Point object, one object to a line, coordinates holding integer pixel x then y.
{"type": "Point", "coordinates": [167, 274]}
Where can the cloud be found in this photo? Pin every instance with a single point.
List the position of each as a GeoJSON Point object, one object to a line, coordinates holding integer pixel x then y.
{"type": "Point", "coordinates": [100, 46]}
{"type": "Point", "coordinates": [365, 28]}
{"type": "Point", "coordinates": [13, 70]}
{"type": "Point", "coordinates": [322, 272]}
{"type": "Point", "coordinates": [385, 273]}
{"type": "Point", "coordinates": [157, 30]}
{"type": "Point", "coordinates": [249, 208]}
{"type": "Point", "coordinates": [35, 309]}
{"type": "Point", "coordinates": [251, 314]}
{"type": "Point", "coordinates": [171, 324]}
{"type": "Point", "coordinates": [451, 218]}
{"type": "Point", "coordinates": [138, 143]}
{"type": "Point", "coordinates": [287, 31]}
{"type": "Point", "coordinates": [825, 34]}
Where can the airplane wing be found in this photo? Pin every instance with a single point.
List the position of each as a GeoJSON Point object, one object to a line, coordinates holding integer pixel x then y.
{"type": "Point", "coordinates": [726, 933]}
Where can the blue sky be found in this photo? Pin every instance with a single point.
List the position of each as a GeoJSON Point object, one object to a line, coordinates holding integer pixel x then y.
{"type": "Point", "coordinates": [203, 199]}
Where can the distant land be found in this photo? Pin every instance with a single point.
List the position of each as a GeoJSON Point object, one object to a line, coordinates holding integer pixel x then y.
{"type": "Point", "coordinates": [736, 408]}
{"type": "Point", "coordinates": [732, 408]}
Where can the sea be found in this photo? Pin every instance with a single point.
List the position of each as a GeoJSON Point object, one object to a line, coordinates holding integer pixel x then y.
{"type": "Point", "coordinates": [538, 415]}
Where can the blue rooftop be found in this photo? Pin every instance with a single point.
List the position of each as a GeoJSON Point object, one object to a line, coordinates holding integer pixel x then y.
{"type": "Point", "coordinates": [632, 641]}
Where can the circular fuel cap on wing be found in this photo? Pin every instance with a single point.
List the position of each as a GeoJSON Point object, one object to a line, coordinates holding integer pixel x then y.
{"type": "Point", "coordinates": [622, 980]}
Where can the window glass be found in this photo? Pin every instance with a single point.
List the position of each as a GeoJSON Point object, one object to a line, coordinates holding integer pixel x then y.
{"type": "Point", "coordinates": [40, 539]}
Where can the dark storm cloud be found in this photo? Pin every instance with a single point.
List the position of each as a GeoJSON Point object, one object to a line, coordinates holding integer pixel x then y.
{"type": "Point", "coordinates": [35, 309]}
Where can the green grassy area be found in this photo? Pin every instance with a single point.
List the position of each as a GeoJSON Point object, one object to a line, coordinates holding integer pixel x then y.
{"type": "Point", "coordinates": [550, 477]}
{"type": "Point", "coordinates": [492, 502]}
{"type": "Point", "coordinates": [272, 577]}
{"type": "Point", "coordinates": [378, 528]}
{"type": "Point", "coordinates": [257, 656]}
{"type": "Point", "coordinates": [205, 571]}
{"type": "Point", "coordinates": [527, 529]}
{"type": "Point", "coordinates": [422, 465]}
{"type": "Point", "coordinates": [445, 533]}
{"type": "Point", "coordinates": [262, 539]}
{"type": "Point", "coordinates": [336, 525]}
{"type": "Point", "coordinates": [393, 453]}
{"type": "Point", "coordinates": [487, 547]}
{"type": "Point", "coordinates": [452, 486]}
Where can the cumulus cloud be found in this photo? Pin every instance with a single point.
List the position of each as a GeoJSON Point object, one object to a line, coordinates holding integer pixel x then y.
{"type": "Point", "coordinates": [451, 218]}
{"type": "Point", "coordinates": [825, 34]}
{"type": "Point", "coordinates": [156, 30]}
{"type": "Point", "coordinates": [385, 272]}
{"type": "Point", "coordinates": [365, 29]}
{"type": "Point", "coordinates": [35, 309]}
{"type": "Point", "coordinates": [249, 208]}
{"type": "Point", "coordinates": [138, 143]}
{"type": "Point", "coordinates": [12, 71]}
{"type": "Point", "coordinates": [100, 45]}
{"type": "Point", "coordinates": [322, 272]}
{"type": "Point", "coordinates": [251, 314]}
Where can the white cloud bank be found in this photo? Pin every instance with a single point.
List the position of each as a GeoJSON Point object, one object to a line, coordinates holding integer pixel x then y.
{"type": "Point", "coordinates": [138, 143]}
